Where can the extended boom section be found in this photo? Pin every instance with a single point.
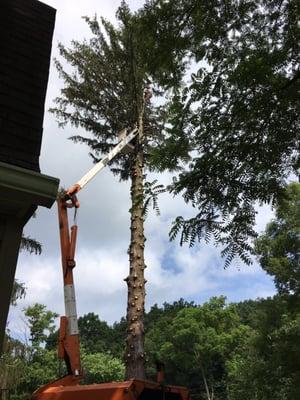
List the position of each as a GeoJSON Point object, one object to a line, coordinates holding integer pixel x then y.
{"type": "Point", "coordinates": [68, 347]}
{"type": "Point", "coordinates": [122, 145]}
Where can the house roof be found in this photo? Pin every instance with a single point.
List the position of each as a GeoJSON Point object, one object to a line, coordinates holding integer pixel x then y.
{"type": "Point", "coordinates": [26, 29]}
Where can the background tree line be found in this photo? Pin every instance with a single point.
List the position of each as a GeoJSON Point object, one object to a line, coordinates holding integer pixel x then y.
{"type": "Point", "coordinates": [220, 351]}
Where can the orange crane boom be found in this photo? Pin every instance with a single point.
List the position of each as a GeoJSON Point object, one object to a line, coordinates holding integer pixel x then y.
{"type": "Point", "coordinates": [68, 346]}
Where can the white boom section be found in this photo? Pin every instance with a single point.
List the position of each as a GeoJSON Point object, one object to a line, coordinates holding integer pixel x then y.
{"type": "Point", "coordinates": [101, 164]}
{"type": "Point", "coordinates": [70, 307]}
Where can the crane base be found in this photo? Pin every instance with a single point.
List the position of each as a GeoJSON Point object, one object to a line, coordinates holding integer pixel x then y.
{"type": "Point", "coordinates": [133, 389]}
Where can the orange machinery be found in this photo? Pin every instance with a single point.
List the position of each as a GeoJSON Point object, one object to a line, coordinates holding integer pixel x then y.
{"type": "Point", "coordinates": [68, 387]}
{"type": "Point", "coordinates": [133, 389]}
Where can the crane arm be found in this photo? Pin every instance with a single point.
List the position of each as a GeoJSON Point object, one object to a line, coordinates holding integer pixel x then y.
{"type": "Point", "coordinates": [69, 347]}
{"type": "Point", "coordinates": [102, 163]}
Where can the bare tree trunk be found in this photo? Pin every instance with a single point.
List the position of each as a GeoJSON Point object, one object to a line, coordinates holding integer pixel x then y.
{"type": "Point", "coordinates": [135, 356]}
{"type": "Point", "coordinates": [210, 396]}
{"type": "Point", "coordinates": [205, 381]}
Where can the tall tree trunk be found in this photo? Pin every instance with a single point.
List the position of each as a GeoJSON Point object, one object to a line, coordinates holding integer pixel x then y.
{"type": "Point", "coordinates": [135, 356]}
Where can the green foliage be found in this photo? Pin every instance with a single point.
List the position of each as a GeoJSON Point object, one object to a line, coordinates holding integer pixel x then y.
{"type": "Point", "coordinates": [278, 249]}
{"type": "Point", "coordinates": [52, 340]}
{"type": "Point", "coordinates": [265, 365]}
{"type": "Point", "coordinates": [24, 368]}
{"type": "Point", "coordinates": [40, 322]}
{"type": "Point", "coordinates": [167, 312]}
{"type": "Point", "coordinates": [151, 192]}
{"type": "Point", "coordinates": [30, 245]}
{"type": "Point", "coordinates": [12, 362]}
{"type": "Point", "coordinates": [237, 118]}
{"type": "Point", "coordinates": [33, 246]}
{"type": "Point", "coordinates": [19, 292]}
{"type": "Point", "coordinates": [243, 351]}
{"type": "Point", "coordinates": [196, 342]}
{"type": "Point", "coordinates": [38, 370]}
{"type": "Point", "coordinates": [117, 343]}
{"type": "Point", "coordinates": [163, 46]}
{"type": "Point", "coordinates": [104, 93]}
{"type": "Point", "coordinates": [101, 367]}
{"type": "Point", "coordinates": [94, 334]}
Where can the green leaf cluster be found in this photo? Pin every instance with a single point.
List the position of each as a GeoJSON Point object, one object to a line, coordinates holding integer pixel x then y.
{"type": "Point", "coordinates": [236, 118]}
{"type": "Point", "coordinates": [196, 343]}
{"type": "Point", "coordinates": [278, 249]}
{"type": "Point", "coordinates": [265, 364]}
{"type": "Point", "coordinates": [101, 367]}
{"type": "Point", "coordinates": [229, 76]}
{"type": "Point", "coordinates": [41, 323]}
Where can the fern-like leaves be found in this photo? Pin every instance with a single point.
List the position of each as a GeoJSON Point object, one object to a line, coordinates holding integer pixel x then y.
{"type": "Point", "coordinates": [30, 245]}
{"type": "Point", "coordinates": [151, 192]}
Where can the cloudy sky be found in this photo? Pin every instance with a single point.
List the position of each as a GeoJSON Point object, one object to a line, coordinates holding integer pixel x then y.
{"type": "Point", "coordinates": [102, 261]}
